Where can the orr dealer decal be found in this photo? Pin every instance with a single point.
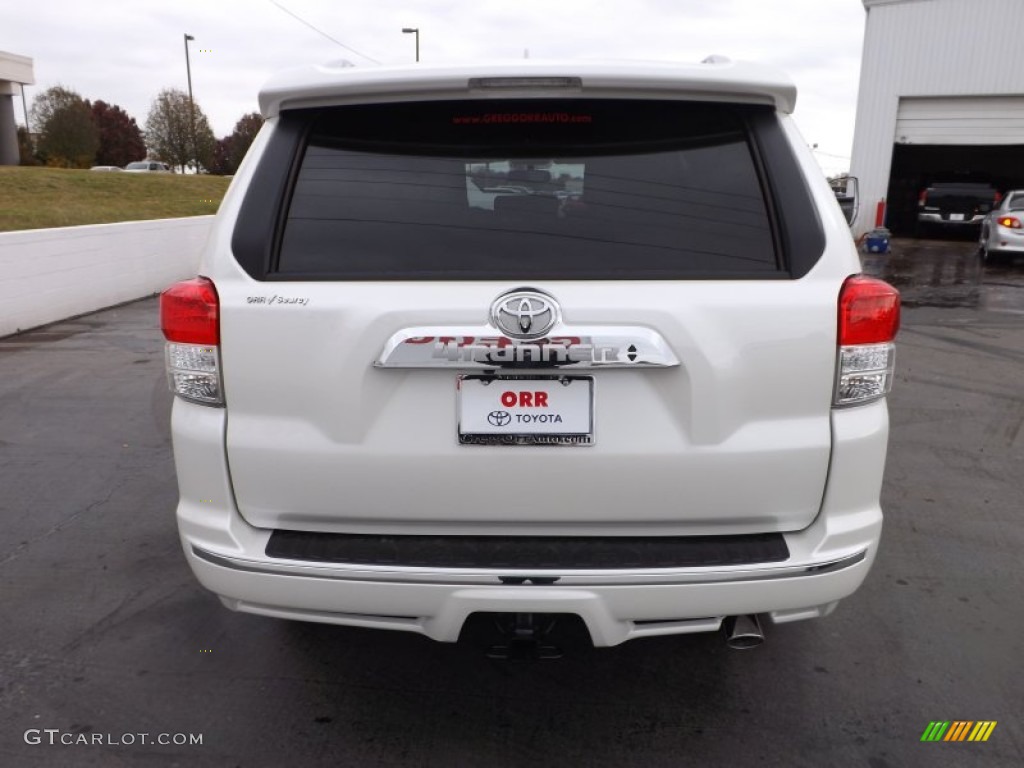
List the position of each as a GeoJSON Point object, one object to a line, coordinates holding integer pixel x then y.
{"type": "Point", "coordinates": [526, 410]}
{"type": "Point", "coordinates": [511, 399]}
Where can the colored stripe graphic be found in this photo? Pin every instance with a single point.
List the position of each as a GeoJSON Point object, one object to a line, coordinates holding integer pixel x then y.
{"type": "Point", "coordinates": [982, 730]}
{"type": "Point", "coordinates": [958, 730]}
{"type": "Point", "coordinates": [935, 730]}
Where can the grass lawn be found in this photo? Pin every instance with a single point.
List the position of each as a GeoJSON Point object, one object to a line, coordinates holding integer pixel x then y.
{"type": "Point", "coordinates": [36, 198]}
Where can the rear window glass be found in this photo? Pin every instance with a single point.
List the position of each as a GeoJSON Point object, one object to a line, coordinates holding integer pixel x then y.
{"type": "Point", "coordinates": [575, 189]}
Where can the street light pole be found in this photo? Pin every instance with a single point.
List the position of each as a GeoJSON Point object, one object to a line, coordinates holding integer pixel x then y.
{"type": "Point", "coordinates": [191, 103]}
{"type": "Point", "coordinates": [414, 31]}
{"type": "Point", "coordinates": [24, 108]}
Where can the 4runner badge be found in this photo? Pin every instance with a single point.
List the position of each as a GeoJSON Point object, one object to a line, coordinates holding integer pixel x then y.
{"type": "Point", "coordinates": [524, 319]}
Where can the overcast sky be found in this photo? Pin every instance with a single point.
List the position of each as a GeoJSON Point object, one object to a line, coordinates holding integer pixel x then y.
{"type": "Point", "coordinates": [125, 53]}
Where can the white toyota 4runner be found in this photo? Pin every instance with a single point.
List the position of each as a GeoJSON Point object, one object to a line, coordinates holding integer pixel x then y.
{"type": "Point", "coordinates": [529, 339]}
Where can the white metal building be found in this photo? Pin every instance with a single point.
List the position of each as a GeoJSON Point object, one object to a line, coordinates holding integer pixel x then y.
{"type": "Point", "coordinates": [941, 99]}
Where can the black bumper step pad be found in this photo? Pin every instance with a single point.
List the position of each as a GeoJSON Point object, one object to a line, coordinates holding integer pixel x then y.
{"type": "Point", "coordinates": [529, 552]}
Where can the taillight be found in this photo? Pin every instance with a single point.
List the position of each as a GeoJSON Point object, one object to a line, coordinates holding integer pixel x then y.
{"type": "Point", "coordinates": [869, 317]}
{"type": "Point", "coordinates": [190, 320]}
{"type": "Point", "coordinates": [189, 312]}
{"type": "Point", "coordinates": [1010, 222]}
{"type": "Point", "coordinates": [922, 198]}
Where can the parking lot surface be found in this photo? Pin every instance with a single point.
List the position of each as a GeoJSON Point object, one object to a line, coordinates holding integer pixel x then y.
{"type": "Point", "coordinates": [106, 636]}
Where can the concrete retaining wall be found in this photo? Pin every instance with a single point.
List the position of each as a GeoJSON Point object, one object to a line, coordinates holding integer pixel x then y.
{"type": "Point", "coordinates": [52, 274]}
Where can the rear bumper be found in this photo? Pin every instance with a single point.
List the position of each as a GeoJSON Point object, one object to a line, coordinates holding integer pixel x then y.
{"type": "Point", "coordinates": [936, 219]}
{"type": "Point", "coordinates": [1004, 240]}
{"type": "Point", "coordinates": [615, 606]}
{"type": "Point", "coordinates": [827, 561]}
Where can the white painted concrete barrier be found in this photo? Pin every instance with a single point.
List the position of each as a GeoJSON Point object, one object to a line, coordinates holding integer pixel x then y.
{"type": "Point", "coordinates": [52, 274]}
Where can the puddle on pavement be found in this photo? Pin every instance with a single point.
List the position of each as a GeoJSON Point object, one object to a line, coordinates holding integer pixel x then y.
{"type": "Point", "coordinates": [50, 333]}
{"type": "Point", "coordinates": [935, 273]}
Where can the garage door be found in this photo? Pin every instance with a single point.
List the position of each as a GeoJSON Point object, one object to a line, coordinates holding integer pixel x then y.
{"type": "Point", "coordinates": [969, 120]}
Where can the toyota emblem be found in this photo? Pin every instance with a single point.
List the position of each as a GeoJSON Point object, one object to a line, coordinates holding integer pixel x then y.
{"type": "Point", "coordinates": [525, 314]}
{"type": "Point", "coordinates": [499, 418]}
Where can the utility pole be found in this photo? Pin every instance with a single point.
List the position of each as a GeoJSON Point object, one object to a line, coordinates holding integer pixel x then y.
{"type": "Point", "coordinates": [191, 106]}
{"type": "Point", "coordinates": [24, 108]}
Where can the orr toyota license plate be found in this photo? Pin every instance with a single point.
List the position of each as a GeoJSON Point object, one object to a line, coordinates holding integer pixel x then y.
{"type": "Point", "coordinates": [526, 410]}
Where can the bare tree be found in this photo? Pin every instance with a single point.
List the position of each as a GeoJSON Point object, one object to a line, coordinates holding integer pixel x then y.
{"type": "Point", "coordinates": [67, 135]}
{"type": "Point", "coordinates": [26, 152]}
{"type": "Point", "coordinates": [174, 135]}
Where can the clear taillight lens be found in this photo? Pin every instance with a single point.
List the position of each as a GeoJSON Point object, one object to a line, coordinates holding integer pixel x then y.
{"type": "Point", "coordinates": [193, 372]}
{"type": "Point", "coordinates": [865, 373]}
{"type": "Point", "coordinates": [190, 320]}
{"type": "Point", "coordinates": [869, 317]}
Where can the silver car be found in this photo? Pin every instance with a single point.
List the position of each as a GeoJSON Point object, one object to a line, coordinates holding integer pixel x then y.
{"type": "Point", "coordinates": [148, 166]}
{"type": "Point", "coordinates": [1002, 232]}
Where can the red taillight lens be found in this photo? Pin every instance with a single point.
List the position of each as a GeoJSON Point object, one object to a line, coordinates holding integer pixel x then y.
{"type": "Point", "coordinates": [1010, 222]}
{"type": "Point", "coordinates": [869, 316]}
{"type": "Point", "coordinates": [922, 197]}
{"type": "Point", "coordinates": [869, 311]}
{"type": "Point", "coordinates": [189, 312]}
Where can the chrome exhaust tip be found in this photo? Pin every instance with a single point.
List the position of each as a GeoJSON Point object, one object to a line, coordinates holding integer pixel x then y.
{"type": "Point", "coordinates": [742, 632]}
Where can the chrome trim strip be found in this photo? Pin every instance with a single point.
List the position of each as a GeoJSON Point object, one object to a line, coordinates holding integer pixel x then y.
{"type": "Point", "coordinates": [572, 347]}
{"type": "Point", "coordinates": [651, 577]}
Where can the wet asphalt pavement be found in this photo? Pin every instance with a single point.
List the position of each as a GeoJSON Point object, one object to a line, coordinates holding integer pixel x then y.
{"type": "Point", "coordinates": [937, 273]}
{"type": "Point", "coordinates": [106, 635]}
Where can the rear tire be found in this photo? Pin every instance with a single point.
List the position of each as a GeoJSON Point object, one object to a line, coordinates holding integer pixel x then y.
{"type": "Point", "coordinates": [983, 249]}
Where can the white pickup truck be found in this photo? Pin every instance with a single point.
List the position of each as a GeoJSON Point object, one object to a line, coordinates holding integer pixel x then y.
{"type": "Point", "coordinates": [531, 339]}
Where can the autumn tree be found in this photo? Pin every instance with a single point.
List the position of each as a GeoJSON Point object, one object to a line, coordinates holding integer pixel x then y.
{"type": "Point", "coordinates": [230, 151]}
{"type": "Point", "coordinates": [242, 137]}
{"type": "Point", "coordinates": [120, 137]}
{"type": "Point", "coordinates": [67, 135]}
{"type": "Point", "coordinates": [178, 132]}
{"type": "Point", "coordinates": [221, 164]}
